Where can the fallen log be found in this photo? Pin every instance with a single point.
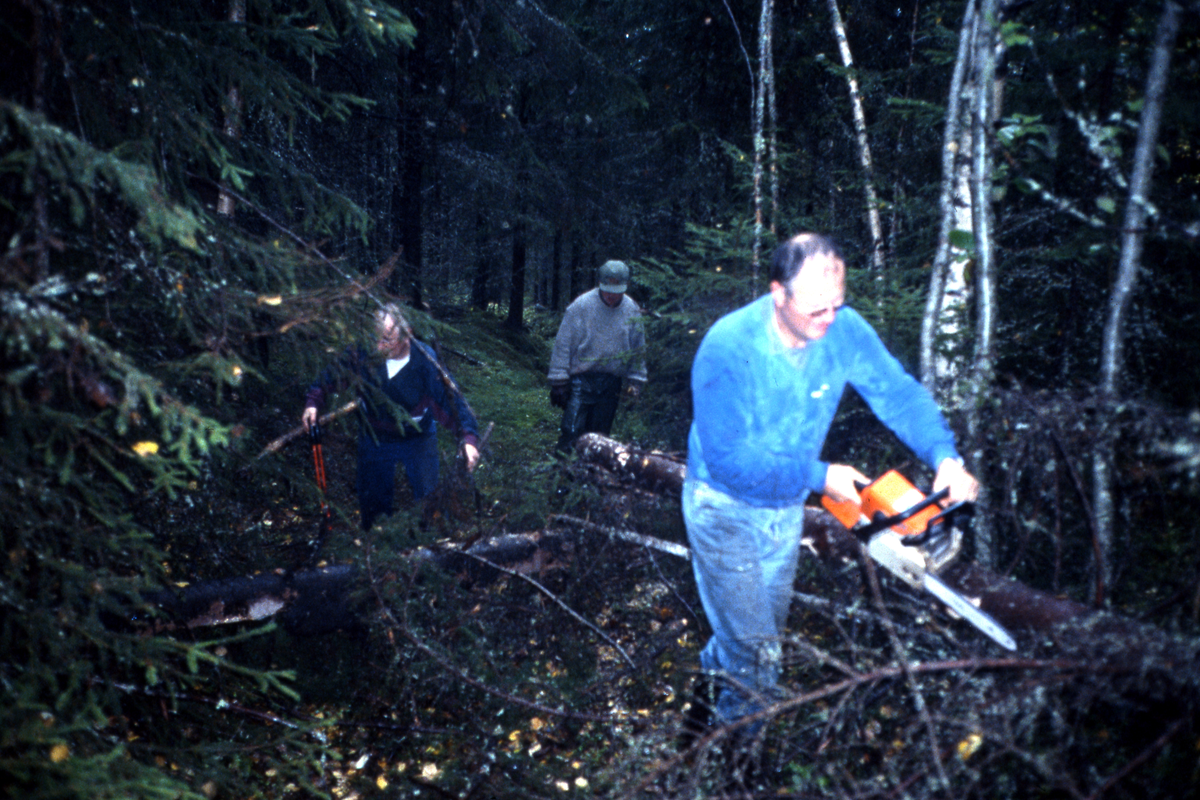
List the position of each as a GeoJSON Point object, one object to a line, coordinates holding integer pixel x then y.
{"type": "Point", "coordinates": [322, 599]}
{"type": "Point", "coordinates": [313, 601]}
{"type": "Point", "coordinates": [305, 601]}
{"type": "Point", "coordinates": [1011, 603]}
{"type": "Point", "coordinates": [649, 469]}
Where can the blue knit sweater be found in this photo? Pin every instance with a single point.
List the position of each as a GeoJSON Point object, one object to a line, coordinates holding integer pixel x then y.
{"type": "Point", "coordinates": [762, 410]}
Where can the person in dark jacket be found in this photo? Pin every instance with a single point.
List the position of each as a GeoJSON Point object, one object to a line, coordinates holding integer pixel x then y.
{"type": "Point", "coordinates": [404, 393]}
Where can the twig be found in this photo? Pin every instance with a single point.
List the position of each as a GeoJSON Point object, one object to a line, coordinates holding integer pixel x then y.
{"type": "Point", "coordinates": [824, 657]}
{"type": "Point", "coordinates": [557, 602]}
{"type": "Point", "coordinates": [902, 657]}
{"type": "Point", "coordinates": [448, 666]}
{"type": "Point", "coordinates": [463, 356]}
{"type": "Point", "coordinates": [1140, 759]}
{"type": "Point", "coordinates": [221, 704]}
{"type": "Point", "coordinates": [861, 679]}
{"type": "Point", "coordinates": [299, 430]}
{"type": "Point", "coordinates": [627, 536]}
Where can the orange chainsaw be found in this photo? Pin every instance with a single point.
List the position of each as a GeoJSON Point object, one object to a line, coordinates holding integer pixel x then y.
{"type": "Point", "coordinates": [911, 536]}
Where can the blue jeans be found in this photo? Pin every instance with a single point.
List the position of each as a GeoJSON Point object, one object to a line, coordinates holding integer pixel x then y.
{"type": "Point", "coordinates": [744, 558]}
{"type": "Point", "coordinates": [377, 462]}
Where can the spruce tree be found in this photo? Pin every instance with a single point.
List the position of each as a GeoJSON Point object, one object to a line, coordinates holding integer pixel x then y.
{"type": "Point", "coordinates": [159, 215]}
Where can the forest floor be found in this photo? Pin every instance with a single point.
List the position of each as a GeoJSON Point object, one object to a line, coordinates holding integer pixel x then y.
{"type": "Point", "coordinates": [572, 675]}
{"type": "Point", "coordinates": [524, 686]}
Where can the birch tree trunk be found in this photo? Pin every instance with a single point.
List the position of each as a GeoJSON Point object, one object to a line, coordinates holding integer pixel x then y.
{"type": "Point", "coordinates": [985, 48]}
{"type": "Point", "coordinates": [1132, 235]}
{"type": "Point", "coordinates": [949, 292]}
{"type": "Point", "coordinates": [874, 220]}
{"type": "Point", "coordinates": [233, 112]}
{"type": "Point", "coordinates": [772, 127]}
{"type": "Point", "coordinates": [41, 216]}
{"type": "Point", "coordinates": [764, 101]}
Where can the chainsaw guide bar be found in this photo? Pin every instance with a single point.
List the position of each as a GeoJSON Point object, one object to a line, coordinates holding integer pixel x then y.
{"type": "Point", "coordinates": [910, 536]}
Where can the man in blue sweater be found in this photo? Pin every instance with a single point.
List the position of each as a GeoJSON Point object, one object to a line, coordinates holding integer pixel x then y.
{"type": "Point", "coordinates": [766, 383]}
{"type": "Point", "coordinates": [404, 392]}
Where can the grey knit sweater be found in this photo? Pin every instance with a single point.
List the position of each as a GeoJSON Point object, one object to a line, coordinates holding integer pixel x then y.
{"type": "Point", "coordinates": [596, 338]}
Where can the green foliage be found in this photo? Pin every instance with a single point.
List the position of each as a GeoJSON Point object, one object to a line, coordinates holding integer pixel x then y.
{"type": "Point", "coordinates": [82, 172]}
{"type": "Point", "coordinates": [128, 313]}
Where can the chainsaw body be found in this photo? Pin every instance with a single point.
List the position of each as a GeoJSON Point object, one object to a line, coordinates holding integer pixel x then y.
{"type": "Point", "coordinates": [910, 536]}
{"type": "Point", "coordinates": [905, 531]}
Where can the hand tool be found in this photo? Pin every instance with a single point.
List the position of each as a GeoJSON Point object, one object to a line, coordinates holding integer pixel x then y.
{"type": "Point", "coordinates": [314, 434]}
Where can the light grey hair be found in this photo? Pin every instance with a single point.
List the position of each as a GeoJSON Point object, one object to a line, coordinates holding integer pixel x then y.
{"type": "Point", "coordinates": [393, 310]}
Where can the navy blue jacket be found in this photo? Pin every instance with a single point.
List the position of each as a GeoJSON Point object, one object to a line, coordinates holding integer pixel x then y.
{"type": "Point", "coordinates": [411, 403]}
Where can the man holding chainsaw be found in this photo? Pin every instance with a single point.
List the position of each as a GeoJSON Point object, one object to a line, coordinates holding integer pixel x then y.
{"type": "Point", "coordinates": [404, 392]}
{"type": "Point", "coordinates": [766, 383]}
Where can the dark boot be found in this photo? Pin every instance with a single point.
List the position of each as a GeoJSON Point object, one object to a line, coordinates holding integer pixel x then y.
{"type": "Point", "coordinates": [698, 711]}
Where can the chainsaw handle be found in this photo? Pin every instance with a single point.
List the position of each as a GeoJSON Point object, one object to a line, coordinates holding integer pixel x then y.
{"type": "Point", "coordinates": [944, 515]}
{"type": "Point", "coordinates": [881, 522]}
{"type": "Point", "coordinates": [966, 507]}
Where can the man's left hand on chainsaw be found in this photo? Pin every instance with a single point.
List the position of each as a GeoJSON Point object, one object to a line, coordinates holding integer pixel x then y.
{"type": "Point", "coordinates": [962, 484]}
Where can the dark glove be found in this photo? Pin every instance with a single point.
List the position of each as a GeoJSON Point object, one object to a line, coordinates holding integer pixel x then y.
{"type": "Point", "coordinates": [560, 393]}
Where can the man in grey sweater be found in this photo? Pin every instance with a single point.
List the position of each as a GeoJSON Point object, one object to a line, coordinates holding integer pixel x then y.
{"type": "Point", "coordinates": [600, 343]}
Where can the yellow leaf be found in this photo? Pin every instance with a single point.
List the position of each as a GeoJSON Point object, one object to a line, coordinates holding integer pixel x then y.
{"type": "Point", "coordinates": [144, 449]}
{"type": "Point", "coordinates": [59, 753]}
{"type": "Point", "coordinates": [968, 746]}
{"type": "Point", "coordinates": [381, 782]}
{"type": "Point", "coordinates": [269, 300]}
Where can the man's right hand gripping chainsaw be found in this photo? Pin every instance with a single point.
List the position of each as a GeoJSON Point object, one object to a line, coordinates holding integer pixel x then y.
{"type": "Point", "coordinates": [910, 535]}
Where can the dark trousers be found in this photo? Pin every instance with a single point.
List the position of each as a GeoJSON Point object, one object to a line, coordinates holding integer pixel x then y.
{"type": "Point", "coordinates": [591, 407]}
{"type": "Point", "coordinates": [377, 462]}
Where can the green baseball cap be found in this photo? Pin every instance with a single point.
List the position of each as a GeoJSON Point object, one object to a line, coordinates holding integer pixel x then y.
{"type": "Point", "coordinates": [613, 276]}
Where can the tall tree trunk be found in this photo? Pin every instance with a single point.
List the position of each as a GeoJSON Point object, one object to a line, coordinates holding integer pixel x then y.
{"type": "Point", "coordinates": [949, 292]}
{"type": "Point", "coordinates": [763, 85]}
{"type": "Point", "coordinates": [407, 204]}
{"type": "Point", "coordinates": [1112, 358]}
{"type": "Point", "coordinates": [985, 53]}
{"type": "Point", "coordinates": [575, 268]}
{"type": "Point", "coordinates": [233, 112]}
{"type": "Point", "coordinates": [411, 213]}
{"type": "Point", "coordinates": [556, 266]}
{"type": "Point", "coordinates": [772, 131]}
{"type": "Point", "coordinates": [516, 297]}
{"type": "Point", "coordinates": [479, 281]}
{"type": "Point", "coordinates": [41, 217]}
{"type": "Point", "coordinates": [874, 221]}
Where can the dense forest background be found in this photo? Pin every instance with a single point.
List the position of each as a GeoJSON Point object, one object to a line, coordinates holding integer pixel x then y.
{"type": "Point", "coordinates": [201, 203]}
